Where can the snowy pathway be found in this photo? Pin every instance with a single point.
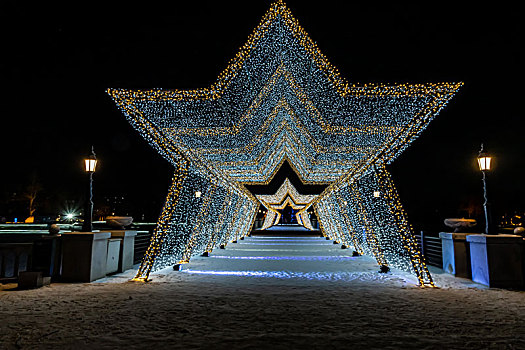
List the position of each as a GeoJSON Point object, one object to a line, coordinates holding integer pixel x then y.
{"type": "Point", "coordinates": [302, 259]}
{"type": "Point", "coordinates": [265, 293]}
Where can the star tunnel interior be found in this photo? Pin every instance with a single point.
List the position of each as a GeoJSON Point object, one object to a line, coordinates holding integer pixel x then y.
{"type": "Point", "coordinates": [287, 215]}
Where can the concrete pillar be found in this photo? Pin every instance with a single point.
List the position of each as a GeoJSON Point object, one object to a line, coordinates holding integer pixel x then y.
{"type": "Point", "coordinates": [84, 256]}
{"type": "Point", "coordinates": [456, 254]}
{"type": "Point", "coordinates": [496, 260]}
{"type": "Point", "coordinates": [127, 248]}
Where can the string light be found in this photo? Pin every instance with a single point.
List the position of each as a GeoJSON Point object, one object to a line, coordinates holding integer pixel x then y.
{"type": "Point", "coordinates": [281, 100]}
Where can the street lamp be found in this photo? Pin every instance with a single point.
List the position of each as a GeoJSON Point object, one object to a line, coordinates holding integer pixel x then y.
{"type": "Point", "coordinates": [484, 163]}
{"type": "Point", "coordinates": [90, 164]}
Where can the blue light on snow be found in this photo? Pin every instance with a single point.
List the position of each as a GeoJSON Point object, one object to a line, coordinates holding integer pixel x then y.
{"type": "Point", "coordinates": [266, 250]}
{"type": "Point", "coordinates": [323, 276]}
{"type": "Point", "coordinates": [292, 244]}
{"type": "Point", "coordinates": [285, 237]}
{"type": "Point", "coordinates": [299, 258]}
{"type": "Point", "coordinates": [288, 240]}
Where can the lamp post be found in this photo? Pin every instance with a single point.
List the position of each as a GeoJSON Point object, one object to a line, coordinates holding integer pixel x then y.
{"type": "Point", "coordinates": [484, 163]}
{"type": "Point", "coordinates": [90, 164]}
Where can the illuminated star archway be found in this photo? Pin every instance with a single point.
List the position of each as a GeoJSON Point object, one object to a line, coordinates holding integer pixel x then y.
{"type": "Point", "coordinates": [286, 195]}
{"type": "Point", "coordinates": [281, 100]}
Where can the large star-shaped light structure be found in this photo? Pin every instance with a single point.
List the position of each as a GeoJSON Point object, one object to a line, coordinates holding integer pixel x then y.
{"type": "Point", "coordinates": [281, 100]}
{"type": "Point", "coordinates": [286, 195]}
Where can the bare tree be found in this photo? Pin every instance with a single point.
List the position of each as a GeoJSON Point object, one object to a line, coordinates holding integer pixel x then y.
{"type": "Point", "coordinates": [31, 193]}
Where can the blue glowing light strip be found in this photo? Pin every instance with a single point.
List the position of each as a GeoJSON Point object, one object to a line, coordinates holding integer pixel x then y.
{"type": "Point", "coordinates": [288, 240]}
{"type": "Point", "coordinates": [312, 276]}
{"type": "Point", "coordinates": [291, 244]}
{"type": "Point", "coordinates": [283, 237]}
{"type": "Point", "coordinates": [268, 250]}
{"type": "Point", "coordinates": [299, 258]}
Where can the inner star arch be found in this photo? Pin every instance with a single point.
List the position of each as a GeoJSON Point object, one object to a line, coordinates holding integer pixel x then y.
{"type": "Point", "coordinates": [286, 195]}
{"type": "Point", "coordinates": [281, 100]}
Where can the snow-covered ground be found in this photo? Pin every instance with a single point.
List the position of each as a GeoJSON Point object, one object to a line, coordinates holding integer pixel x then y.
{"type": "Point", "coordinates": [266, 292]}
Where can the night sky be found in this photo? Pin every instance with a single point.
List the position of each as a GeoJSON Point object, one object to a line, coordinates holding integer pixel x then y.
{"type": "Point", "coordinates": [58, 59]}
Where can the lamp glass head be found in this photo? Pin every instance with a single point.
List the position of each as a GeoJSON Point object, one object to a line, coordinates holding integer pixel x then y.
{"type": "Point", "coordinates": [484, 162]}
{"type": "Point", "coordinates": [90, 164]}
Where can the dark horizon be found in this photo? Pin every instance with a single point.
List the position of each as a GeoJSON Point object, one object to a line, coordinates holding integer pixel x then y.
{"type": "Point", "coordinates": [59, 60]}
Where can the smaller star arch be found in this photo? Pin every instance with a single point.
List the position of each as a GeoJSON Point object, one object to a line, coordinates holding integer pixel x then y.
{"type": "Point", "coordinates": [287, 194]}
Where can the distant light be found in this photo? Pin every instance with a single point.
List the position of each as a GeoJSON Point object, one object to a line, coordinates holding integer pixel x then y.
{"type": "Point", "coordinates": [377, 194]}
{"type": "Point", "coordinates": [198, 194]}
{"type": "Point", "coordinates": [70, 216]}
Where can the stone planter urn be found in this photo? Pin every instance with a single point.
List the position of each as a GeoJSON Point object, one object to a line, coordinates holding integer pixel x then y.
{"type": "Point", "coordinates": [119, 222]}
{"type": "Point", "coordinates": [460, 225]}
